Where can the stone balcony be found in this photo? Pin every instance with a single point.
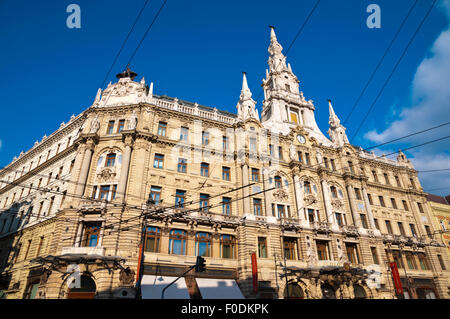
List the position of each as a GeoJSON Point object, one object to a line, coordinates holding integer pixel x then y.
{"type": "Point", "coordinates": [322, 227]}
{"type": "Point", "coordinates": [350, 230]}
{"type": "Point", "coordinates": [83, 251]}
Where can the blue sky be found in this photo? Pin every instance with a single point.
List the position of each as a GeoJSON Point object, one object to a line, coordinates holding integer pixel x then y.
{"type": "Point", "coordinates": [197, 50]}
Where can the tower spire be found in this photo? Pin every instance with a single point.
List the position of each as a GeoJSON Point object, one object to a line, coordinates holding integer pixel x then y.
{"type": "Point", "coordinates": [336, 130]}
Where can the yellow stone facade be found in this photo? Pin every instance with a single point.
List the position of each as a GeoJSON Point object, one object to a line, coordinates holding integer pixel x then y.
{"type": "Point", "coordinates": [323, 217]}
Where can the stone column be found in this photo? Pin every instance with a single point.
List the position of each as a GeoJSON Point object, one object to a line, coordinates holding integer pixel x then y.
{"type": "Point", "coordinates": [368, 209]}
{"type": "Point", "coordinates": [351, 198]}
{"type": "Point", "coordinates": [121, 188]}
{"type": "Point", "coordinates": [327, 201]}
{"type": "Point", "coordinates": [299, 199]}
{"type": "Point", "coordinates": [79, 231]}
{"type": "Point", "coordinates": [82, 180]}
{"type": "Point", "coordinates": [246, 190]}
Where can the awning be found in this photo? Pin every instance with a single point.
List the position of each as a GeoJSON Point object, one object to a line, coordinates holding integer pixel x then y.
{"type": "Point", "coordinates": [219, 288]}
{"type": "Point", "coordinates": [152, 286]}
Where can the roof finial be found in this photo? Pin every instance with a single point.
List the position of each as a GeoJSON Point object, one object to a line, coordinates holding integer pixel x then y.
{"type": "Point", "coordinates": [244, 81]}
{"type": "Point", "coordinates": [273, 36]}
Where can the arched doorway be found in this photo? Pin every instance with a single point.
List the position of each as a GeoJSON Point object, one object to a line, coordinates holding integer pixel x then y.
{"type": "Point", "coordinates": [86, 291]}
{"type": "Point", "coordinates": [359, 292]}
{"type": "Point", "coordinates": [328, 292]}
{"type": "Point", "coordinates": [293, 291]}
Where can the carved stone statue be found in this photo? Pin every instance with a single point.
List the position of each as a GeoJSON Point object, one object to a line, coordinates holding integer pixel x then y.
{"type": "Point", "coordinates": [133, 121]}
{"type": "Point", "coordinates": [95, 125]}
{"type": "Point", "coordinates": [319, 157]}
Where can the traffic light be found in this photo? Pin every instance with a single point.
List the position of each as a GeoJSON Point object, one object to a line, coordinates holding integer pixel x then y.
{"type": "Point", "coordinates": [200, 264]}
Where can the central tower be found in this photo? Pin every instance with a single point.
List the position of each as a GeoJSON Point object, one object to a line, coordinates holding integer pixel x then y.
{"type": "Point", "coordinates": [284, 106]}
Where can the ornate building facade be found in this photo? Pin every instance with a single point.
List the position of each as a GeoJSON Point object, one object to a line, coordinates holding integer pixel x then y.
{"type": "Point", "coordinates": [324, 218]}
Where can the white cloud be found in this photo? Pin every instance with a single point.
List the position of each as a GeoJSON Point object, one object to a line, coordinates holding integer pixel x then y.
{"type": "Point", "coordinates": [430, 107]}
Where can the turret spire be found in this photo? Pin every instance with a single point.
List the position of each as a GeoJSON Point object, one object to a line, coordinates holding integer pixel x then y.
{"type": "Point", "coordinates": [337, 130]}
{"type": "Point", "coordinates": [246, 105]}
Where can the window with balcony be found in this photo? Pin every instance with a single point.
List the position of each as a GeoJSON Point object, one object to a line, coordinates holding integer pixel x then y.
{"type": "Point", "coordinates": [203, 244]}
{"type": "Point", "coordinates": [152, 239]}
{"type": "Point", "coordinates": [177, 242]}
{"type": "Point", "coordinates": [290, 248]}
{"type": "Point", "coordinates": [227, 247]}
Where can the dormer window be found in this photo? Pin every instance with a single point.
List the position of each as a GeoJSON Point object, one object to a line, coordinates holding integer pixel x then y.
{"type": "Point", "coordinates": [110, 159]}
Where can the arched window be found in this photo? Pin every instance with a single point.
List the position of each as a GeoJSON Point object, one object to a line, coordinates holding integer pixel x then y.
{"type": "Point", "coordinates": [152, 239]}
{"type": "Point", "coordinates": [177, 242]}
{"type": "Point", "coordinates": [203, 244]}
{"type": "Point", "coordinates": [278, 182]}
{"type": "Point", "coordinates": [227, 246]}
{"type": "Point", "coordinates": [328, 292]}
{"type": "Point", "coordinates": [86, 290]}
{"type": "Point", "coordinates": [359, 292]}
{"type": "Point", "coordinates": [110, 159]}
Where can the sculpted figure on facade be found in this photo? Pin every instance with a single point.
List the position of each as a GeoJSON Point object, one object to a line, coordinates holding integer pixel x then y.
{"type": "Point", "coordinates": [132, 122]}
{"type": "Point", "coordinates": [95, 125]}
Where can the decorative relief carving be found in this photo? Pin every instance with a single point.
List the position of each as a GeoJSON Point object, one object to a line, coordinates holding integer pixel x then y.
{"type": "Point", "coordinates": [106, 174]}
{"type": "Point", "coordinates": [309, 200]}
{"type": "Point", "coordinates": [337, 204]}
{"type": "Point", "coordinates": [280, 195]}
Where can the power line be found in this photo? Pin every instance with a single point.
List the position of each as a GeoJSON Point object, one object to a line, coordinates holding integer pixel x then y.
{"type": "Point", "coordinates": [124, 42]}
{"type": "Point", "coordinates": [146, 32]}
{"type": "Point", "coordinates": [426, 143]}
{"type": "Point", "coordinates": [435, 170]}
{"type": "Point", "coordinates": [380, 62]}
{"type": "Point", "coordinates": [394, 69]}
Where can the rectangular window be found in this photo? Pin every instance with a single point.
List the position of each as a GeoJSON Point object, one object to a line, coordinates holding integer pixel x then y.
{"type": "Point", "coordinates": [397, 180]}
{"type": "Point", "coordinates": [350, 167]}
{"type": "Point", "coordinates": [413, 230]}
{"type": "Point", "coordinates": [205, 138]}
{"type": "Point", "coordinates": [152, 239]}
{"type": "Point", "coordinates": [180, 197]}
{"type": "Point", "coordinates": [375, 255]}
{"type": "Point", "coordinates": [110, 160]}
{"type": "Point", "coordinates": [159, 161]}
{"type": "Point", "coordinates": [252, 145]}
{"type": "Point", "coordinates": [405, 205]}
{"type": "Point", "coordinates": [441, 262]}
{"type": "Point", "coordinates": [41, 205]}
{"type": "Point", "coordinates": [413, 185]}
{"type": "Point", "coordinates": [184, 131]}
{"type": "Point", "coordinates": [333, 166]}
{"type": "Point", "coordinates": [121, 126]}
{"type": "Point", "coordinates": [307, 186]}
{"type": "Point", "coordinates": [352, 253]}
{"type": "Point", "coordinates": [322, 250]}
{"type": "Point", "coordinates": [386, 178]}
{"type": "Point", "coordinates": [375, 176]}
{"type": "Point", "coordinates": [300, 157]}
{"type": "Point", "coordinates": [204, 169]}
{"type": "Point", "coordinates": [428, 231]}
{"type": "Point", "coordinates": [262, 247]}
{"type": "Point", "coordinates": [162, 128]}
{"type": "Point", "coordinates": [104, 192]}
{"type": "Point", "coordinates": [281, 211]}
{"type": "Point", "coordinates": [225, 143]}
{"type": "Point", "coordinates": [394, 204]}
{"type": "Point", "coordinates": [376, 223]}
{"type": "Point", "coordinates": [396, 255]}
{"type": "Point", "coordinates": [94, 192]}
{"type": "Point", "coordinates": [401, 229]}
{"type": "Point", "coordinates": [226, 173]}
{"type": "Point", "coordinates": [41, 241]}
{"type": "Point", "coordinates": [388, 227]}
{"type": "Point", "coordinates": [420, 207]}
{"type": "Point", "coordinates": [370, 199]}
{"type": "Point", "coordinates": [410, 261]}
{"type": "Point", "coordinates": [290, 247]}
{"type": "Point", "coordinates": [311, 216]}
{"type": "Point", "coordinates": [226, 206]}
{"type": "Point", "coordinates": [307, 159]}
{"type": "Point", "coordinates": [364, 221]}
{"type": "Point", "coordinates": [271, 150]}
{"type": "Point", "coordinates": [182, 165]}
{"type": "Point", "coordinates": [255, 175]}
{"type": "Point", "coordinates": [339, 219]}
{"type": "Point", "coordinates": [50, 206]}
{"type": "Point", "coordinates": [280, 152]}
{"type": "Point", "coordinates": [204, 202]}
{"type": "Point", "coordinates": [358, 194]}
{"type": "Point", "coordinates": [110, 127]}
{"type": "Point", "coordinates": [91, 234]}
{"type": "Point", "coordinates": [381, 199]}
{"type": "Point", "coordinates": [155, 194]}
{"type": "Point", "coordinates": [257, 207]}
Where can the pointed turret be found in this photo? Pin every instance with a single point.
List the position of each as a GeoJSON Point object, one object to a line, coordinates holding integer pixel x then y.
{"type": "Point", "coordinates": [337, 130]}
{"type": "Point", "coordinates": [246, 105]}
